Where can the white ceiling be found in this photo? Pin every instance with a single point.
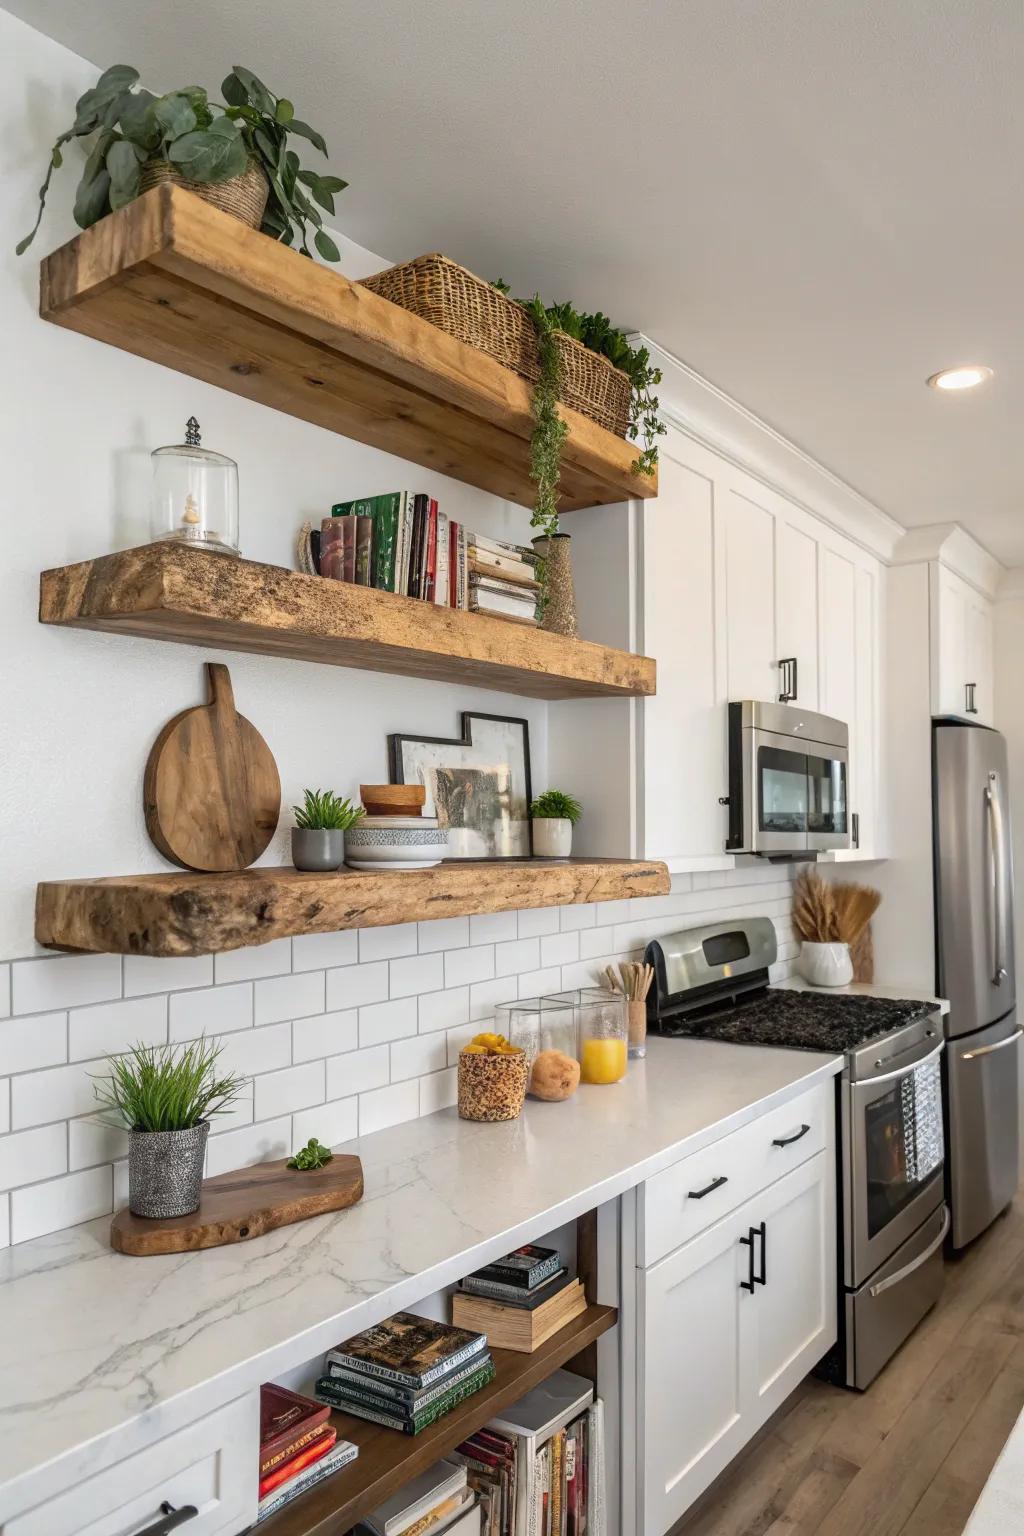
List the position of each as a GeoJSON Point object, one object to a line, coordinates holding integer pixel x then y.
{"type": "Point", "coordinates": [815, 203]}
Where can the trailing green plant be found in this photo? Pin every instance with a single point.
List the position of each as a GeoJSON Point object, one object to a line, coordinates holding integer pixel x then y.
{"type": "Point", "coordinates": [167, 1087]}
{"type": "Point", "coordinates": [324, 811]}
{"type": "Point", "coordinates": [550, 431]}
{"type": "Point", "coordinates": [313, 1155]}
{"type": "Point", "coordinates": [207, 141]}
{"type": "Point", "coordinates": [554, 805]}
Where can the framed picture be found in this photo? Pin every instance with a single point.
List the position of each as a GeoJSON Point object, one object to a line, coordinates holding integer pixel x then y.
{"type": "Point", "coordinates": [478, 784]}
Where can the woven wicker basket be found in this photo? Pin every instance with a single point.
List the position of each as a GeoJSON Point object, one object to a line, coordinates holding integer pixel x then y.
{"type": "Point", "coordinates": [463, 305]}
{"type": "Point", "coordinates": [244, 197]}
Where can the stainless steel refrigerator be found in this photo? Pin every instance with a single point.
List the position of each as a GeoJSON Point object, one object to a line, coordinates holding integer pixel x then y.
{"type": "Point", "coordinates": [975, 970]}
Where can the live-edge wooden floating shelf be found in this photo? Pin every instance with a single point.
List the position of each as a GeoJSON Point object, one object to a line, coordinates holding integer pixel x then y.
{"type": "Point", "coordinates": [167, 592]}
{"type": "Point", "coordinates": [200, 914]}
{"type": "Point", "coordinates": [172, 279]}
{"type": "Point", "coordinates": [388, 1459]}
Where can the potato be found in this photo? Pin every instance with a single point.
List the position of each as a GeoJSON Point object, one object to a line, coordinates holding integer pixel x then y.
{"type": "Point", "coordinates": [555, 1076]}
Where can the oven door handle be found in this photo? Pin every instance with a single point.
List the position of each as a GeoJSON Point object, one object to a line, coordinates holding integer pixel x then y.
{"type": "Point", "coordinates": [908, 1269]}
{"type": "Point", "coordinates": [909, 1066]}
{"type": "Point", "coordinates": [986, 1050]}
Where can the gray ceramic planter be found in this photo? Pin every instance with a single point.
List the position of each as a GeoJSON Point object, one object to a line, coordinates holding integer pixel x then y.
{"type": "Point", "coordinates": [317, 848]}
{"type": "Point", "coordinates": [165, 1170]}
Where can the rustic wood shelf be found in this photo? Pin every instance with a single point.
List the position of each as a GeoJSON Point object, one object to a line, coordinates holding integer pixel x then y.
{"type": "Point", "coordinates": [172, 279]}
{"type": "Point", "coordinates": [388, 1459]}
{"type": "Point", "coordinates": [166, 592]}
{"type": "Point", "coordinates": [197, 914]}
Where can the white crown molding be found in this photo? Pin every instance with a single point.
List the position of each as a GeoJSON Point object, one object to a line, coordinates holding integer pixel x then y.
{"type": "Point", "coordinates": [955, 548]}
{"type": "Point", "coordinates": [728, 428]}
{"type": "Point", "coordinates": [1011, 588]}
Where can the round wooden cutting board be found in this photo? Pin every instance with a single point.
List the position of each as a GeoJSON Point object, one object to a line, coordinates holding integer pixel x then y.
{"type": "Point", "coordinates": [211, 791]}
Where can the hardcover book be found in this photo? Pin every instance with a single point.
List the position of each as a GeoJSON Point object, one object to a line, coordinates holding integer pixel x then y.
{"type": "Point", "coordinates": [412, 1351]}
{"type": "Point", "coordinates": [285, 1417]}
{"type": "Point", "coordinates": [525, 1267]}
{"type": "Point", "coordinates": [385, 540]}
{"type": "Point", "coordinates": [485, 564]}
{"type": "Point", "coordinates": [364, 547]}
{"type": "Point", "coordinates": [312, 1436]}
{"type": "Point", "coordinates": [503, 547]}
{"type": "Point", "coordinates": [401, 1399]}
{"type": "Point", "coordinates": [304, 1458]}
{"type": "Point", "coordinates": [451, 1391]}
{"type": "Point", "coordinates": [514, 1295]}
{"type": "Point", "coordinates": [340, 1456]}
{"type": "Point", "coordinates": [511, 1327]}
{"type": "Point", "coordinates": [412, 1424]}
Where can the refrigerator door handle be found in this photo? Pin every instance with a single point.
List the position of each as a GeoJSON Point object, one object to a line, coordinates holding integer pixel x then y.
{"type": "Point", "coordinates": [997, 853]}
{"type": "Point", "coordinates": [986, 1050]}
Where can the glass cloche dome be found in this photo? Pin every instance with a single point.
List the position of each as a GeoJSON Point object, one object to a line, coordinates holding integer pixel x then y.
{"type": "Point", "coordinates": [195, 495]}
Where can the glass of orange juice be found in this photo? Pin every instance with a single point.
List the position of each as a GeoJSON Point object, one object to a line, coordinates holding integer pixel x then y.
{"type": "Point", "coordinates": [602, 1034]}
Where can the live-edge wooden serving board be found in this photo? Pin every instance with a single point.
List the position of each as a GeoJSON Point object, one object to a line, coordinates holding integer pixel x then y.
{"type": "Point", "coordinates": [243, 1204]}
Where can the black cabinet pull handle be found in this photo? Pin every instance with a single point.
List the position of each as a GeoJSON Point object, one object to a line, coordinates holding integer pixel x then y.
{"type": "Point", "coordinates": [172, 1518]}
{"type": "Point", "coordinates": [787, 1141]}
{"type": "Point", "coordinates": [709, 1189]}
{"type": "Point", "coordinates": [971, 707]}
{"type": "Point", "coordinates": [787, 684]}
{"type": "Point", "coordinates": [762, 1232]}
{"type": "Point", "coordinates": [751, 1280]}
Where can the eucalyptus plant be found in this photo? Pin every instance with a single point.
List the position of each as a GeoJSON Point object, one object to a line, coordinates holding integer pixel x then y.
{"type": "Point", "coordinates": [207, 141]}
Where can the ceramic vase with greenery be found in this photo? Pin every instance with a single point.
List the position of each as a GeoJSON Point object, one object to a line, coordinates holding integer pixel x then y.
{"type": "Point", "coordinates": [135, 138]}
{"type": "Point", "coordinates": [165, 1097]}
{"type": "Point", "coordinates": [318, 837]}
{"type": "Point", "coordinates": [554, 815]}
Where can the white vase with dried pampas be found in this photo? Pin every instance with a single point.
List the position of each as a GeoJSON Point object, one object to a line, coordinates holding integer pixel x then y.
{"type": "Point", "coordinates": [833, 922]}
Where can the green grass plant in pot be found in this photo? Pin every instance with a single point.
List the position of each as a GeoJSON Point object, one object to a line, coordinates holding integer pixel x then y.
{"type": "Point", "coordinates": [165, 1097]}
{"type": "Point", "coordinates": [554, 815]}
{"type": "Point", "coordinates": [318, 837]}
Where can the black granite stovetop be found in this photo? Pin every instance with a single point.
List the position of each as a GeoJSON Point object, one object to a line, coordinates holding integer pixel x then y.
{"type": "Point", "coordinates": [803, 1021]}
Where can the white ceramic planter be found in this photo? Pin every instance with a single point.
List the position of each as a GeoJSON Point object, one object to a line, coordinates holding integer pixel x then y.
{"type": "Point", "coordinates": [826, 965]}
{"type": "Point", "coordinates": [552, 837]}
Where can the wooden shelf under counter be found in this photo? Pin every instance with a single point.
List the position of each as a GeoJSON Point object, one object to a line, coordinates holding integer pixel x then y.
{"type": "Point", "coordinates": [388, 1459]}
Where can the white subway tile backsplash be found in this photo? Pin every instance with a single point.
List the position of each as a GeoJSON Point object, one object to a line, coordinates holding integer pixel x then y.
{"type": "Point", "coordinates": [329, 1123]}
{"type": "Point", "coordinates": [412, 1058]}
{"type": "Point", "coordinates": [147, 973]}
{"type": "Point", "coordinates": [444, 933]}
{"type": "Point", "coordinates": [252, 1051]}
{"type": "Point", "coordinates": [443, 1010]}
{"type": "Point", "coordinates": [64, 1202]}
{"type": "Point", "coordinates": [120, 1185]}
{"type": "Point", "coordinates": [596, 943]}
{"type": "Point", "coordinates": [59, 1093]}
{"type": "Point", "coordinates": [486, 995]}
{"type": "Point", "coordinates": [5, 1220]}
{"type": "Point", "coordinates": [537, 922]}
{"type": "Point", "coordinates": [388, 1106]}
{"type": "Point", "coordinates": [28, 1156]}
{"type": "Point", "coordinates": [238, 1113]}
{"type": "Point", "coordinates": [358, 985]}
{"type": "Point", "coordinates": [288, 997]}
{"type": "Point", "coordinates": [281, 1093]}
{"type": "Point", "coordinates": [357, 1071]}
{"type": "Point", "coordinates": [581, 916]}
{"type": "Point", "coordinates": [211, 1011]}
{"type": "Point", "coordinates": [65, 981]}
{"type": "Point", "coordinates": [387, 1021]}
{"type": "Point", "coordinates": [92, 1142]}
{"type": "Point", "coordinates": [457, 1038]}
{"type": "Point", "coordinates": [416, 973]}
{"type": "Point", "coordinates": [325, 1034]}
{"type": "Point", "coordinates": [253, 1144]}
{"type": "Point", "coordinates": [319, 951]}
{"type": "Point", "coordinates": [518, 955]}
{"type": "Point", "coordinates": [537, 983]}
{"type": "Point", "coordinates": [5, 1104]}
{"type": "Point", "coordinates": [5, 991]}
{"type": "Point", "coordinates": [439, 1091]}
{"type": "Point", "coordinates": [560, 949]}
{"type": "Point", "coordinates": [40, 1041]}
{"type": "Point", "coordinates": [387, 943]}
{"type": "Point", "coordinates": [462, 966]}
{"type": "Point", "coordinates": [492, 927]}
{"type": "Point", "coordinates": [108, 1028]}
{"type": "Point", "coordinates": [254, 962]}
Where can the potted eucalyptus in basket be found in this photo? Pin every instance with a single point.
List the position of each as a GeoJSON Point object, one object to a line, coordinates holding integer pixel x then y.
{"type": "Point", "coordinates": [165, 1097]}
{"type": "Point", "coordinates": [235, 154]}
{"type": "Point", "coordinates": [318, 836]}
{"type": "Point", "coordinates": [554, 814]}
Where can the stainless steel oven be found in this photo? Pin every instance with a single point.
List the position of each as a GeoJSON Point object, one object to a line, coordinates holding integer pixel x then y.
{"type": "Point", "coordinates": [788, 780]}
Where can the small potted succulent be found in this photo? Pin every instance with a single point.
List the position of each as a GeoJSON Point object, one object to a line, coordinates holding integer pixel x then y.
{"type": "Point", "coordinates": [318, 837]}
{"type": "Point", "coordinates": [313, 1155]}
{"type": "Point", "coordinates": [554, 815]}
{"type": "Point", "coordinates": [165, 1097]}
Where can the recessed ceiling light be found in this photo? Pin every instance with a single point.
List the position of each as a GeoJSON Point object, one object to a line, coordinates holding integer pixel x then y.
{"type": "Point", "coordinates": [967, 376]}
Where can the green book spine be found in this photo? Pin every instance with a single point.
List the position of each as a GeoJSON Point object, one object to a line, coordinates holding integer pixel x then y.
{"type": "Point", "coordinates": [327, 1392]}
{"type": "Point", "coordinates": [385, 540]}
{"type": "Point", "coordinates": [342, 508]}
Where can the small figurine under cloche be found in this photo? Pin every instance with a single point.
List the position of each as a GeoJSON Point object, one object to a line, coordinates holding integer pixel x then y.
{"type": "Point", "coordinates": [195, 495]}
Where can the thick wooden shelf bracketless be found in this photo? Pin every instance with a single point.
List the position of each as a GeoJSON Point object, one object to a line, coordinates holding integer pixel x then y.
{"type": "Point", "coordinates": [166, 592]}
{"type": "Point", "coordinates": [173, 279]}
{"type": "Point", "coordinates": [202, 914]}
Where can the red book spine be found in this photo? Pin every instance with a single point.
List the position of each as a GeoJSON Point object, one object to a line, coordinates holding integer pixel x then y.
{"type": "Point", "coordinates": [431, 554]}
{"type": "Point", "coordinates": [305, 1458]}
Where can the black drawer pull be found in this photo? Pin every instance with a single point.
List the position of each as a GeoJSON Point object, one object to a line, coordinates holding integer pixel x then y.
{"type": "Point", "coordinates": [787, 1141]}
{"type": "Point", "coordinates": [751, 1280]}
{"type": "Point", "coordinates": [172, 1518]}
{"type": "Point", "coordinates": [709, 1189]}
{"type": "Point", "coordinates": [762, 1278]}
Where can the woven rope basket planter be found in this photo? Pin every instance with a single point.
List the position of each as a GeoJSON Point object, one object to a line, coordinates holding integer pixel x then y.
{"type": "Point", "coordinates": [244, 197]}
{"type": "Point", "coordinates": [463, 305]}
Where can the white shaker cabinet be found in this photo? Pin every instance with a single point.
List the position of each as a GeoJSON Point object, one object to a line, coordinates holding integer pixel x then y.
{"type": "Point", "coordinates": [961, 647]}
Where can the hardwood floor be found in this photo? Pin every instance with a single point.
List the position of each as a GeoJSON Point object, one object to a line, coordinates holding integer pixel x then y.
{"type": "Point", "coordinates": [910, 1456]}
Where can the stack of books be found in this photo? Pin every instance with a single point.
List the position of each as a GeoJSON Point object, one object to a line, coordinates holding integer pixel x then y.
{"type": "Point", "coordinates": [520, 1300]}
{"type": "Point", "coordinates": [405, 1373]}
{"type": "Point", "coordinates": [298, 1447]}
{"type": "Point", "coordinates": [439, 1500]}
{"type": "Point", "coordinates": [402, 542]}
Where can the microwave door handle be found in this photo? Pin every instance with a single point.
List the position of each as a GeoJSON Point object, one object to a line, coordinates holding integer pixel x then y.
{"type": "Point", "coordinates": [997, 855]}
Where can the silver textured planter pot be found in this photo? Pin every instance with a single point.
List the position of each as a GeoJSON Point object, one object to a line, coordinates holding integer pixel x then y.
{"type": "Point", "coordinates": [165, 1170]}
{"type": "Point", "coordinates": [318, 848]}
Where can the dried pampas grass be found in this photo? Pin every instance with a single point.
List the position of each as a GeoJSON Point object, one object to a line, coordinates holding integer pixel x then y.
{"type": "Point", "coordinates": [828, 914]}
{"type": "Point", "coordinates": [814, 908]}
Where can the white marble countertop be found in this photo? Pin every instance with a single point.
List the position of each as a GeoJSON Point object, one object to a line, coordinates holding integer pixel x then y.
{"type": "Point", "coordinates": [1000, 1509]}
{"type": "Point", "coordinates": [101, 1354]}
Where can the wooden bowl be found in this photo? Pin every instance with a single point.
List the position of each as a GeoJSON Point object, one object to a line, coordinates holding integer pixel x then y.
{"type": "Point", "coordinates": [393, 799]}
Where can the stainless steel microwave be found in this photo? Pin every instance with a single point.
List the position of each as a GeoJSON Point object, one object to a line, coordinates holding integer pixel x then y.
{"type": "Point", "coordinates": [788, 780]}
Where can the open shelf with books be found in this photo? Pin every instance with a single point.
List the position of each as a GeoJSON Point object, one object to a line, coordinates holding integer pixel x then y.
{"type": "Point", "coordinates": [164, 591]}
{"type": "Point", "coordinates": [171, 278]}
{"type": "Point", "coordinates": [388, 1459]}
